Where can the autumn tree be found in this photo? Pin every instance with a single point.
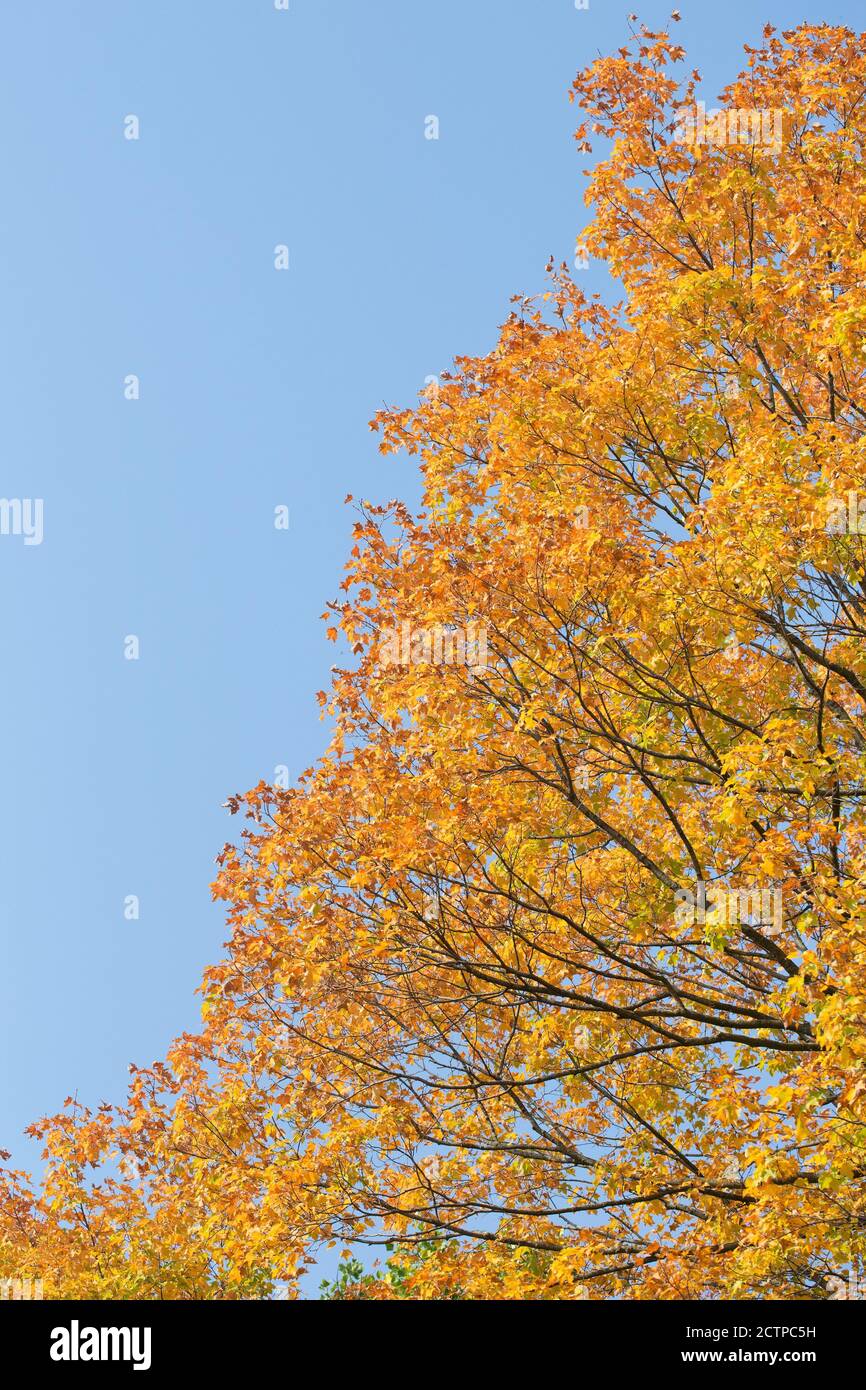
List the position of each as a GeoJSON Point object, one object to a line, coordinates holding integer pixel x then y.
{"type": "Point", "coordinates": [553, 970]}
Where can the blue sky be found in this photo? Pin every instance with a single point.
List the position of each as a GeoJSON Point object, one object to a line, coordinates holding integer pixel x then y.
{"type": "Point", "coordinates": [155, 257]}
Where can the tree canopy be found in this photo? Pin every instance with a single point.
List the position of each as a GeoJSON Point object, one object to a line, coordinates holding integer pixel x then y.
{"type": "Point", "coordinates": [552, 971]}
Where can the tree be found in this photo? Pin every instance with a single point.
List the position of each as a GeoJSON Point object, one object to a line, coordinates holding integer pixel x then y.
{"type": "Point", "coordinates": [555, 966]}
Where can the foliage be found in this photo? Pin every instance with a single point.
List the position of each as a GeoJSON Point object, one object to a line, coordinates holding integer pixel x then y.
{"type": "Point", "coordinates": [465, 1001]}
{"type": "Point", "coordinates": [402, 1275]}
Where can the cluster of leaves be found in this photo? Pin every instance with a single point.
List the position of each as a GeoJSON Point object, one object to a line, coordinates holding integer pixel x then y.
{"type": "Point", "coordinates": [397, 1281]}
{"type": "Point", "coordinates": [460, 1009]}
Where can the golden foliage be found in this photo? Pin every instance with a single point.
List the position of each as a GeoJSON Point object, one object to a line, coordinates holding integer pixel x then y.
{"type": "Point", "coordinates": [463, 1003]}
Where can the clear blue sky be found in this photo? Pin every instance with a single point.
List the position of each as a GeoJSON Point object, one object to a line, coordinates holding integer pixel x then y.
{"type": "Point", "coordinates": [155, 257]}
